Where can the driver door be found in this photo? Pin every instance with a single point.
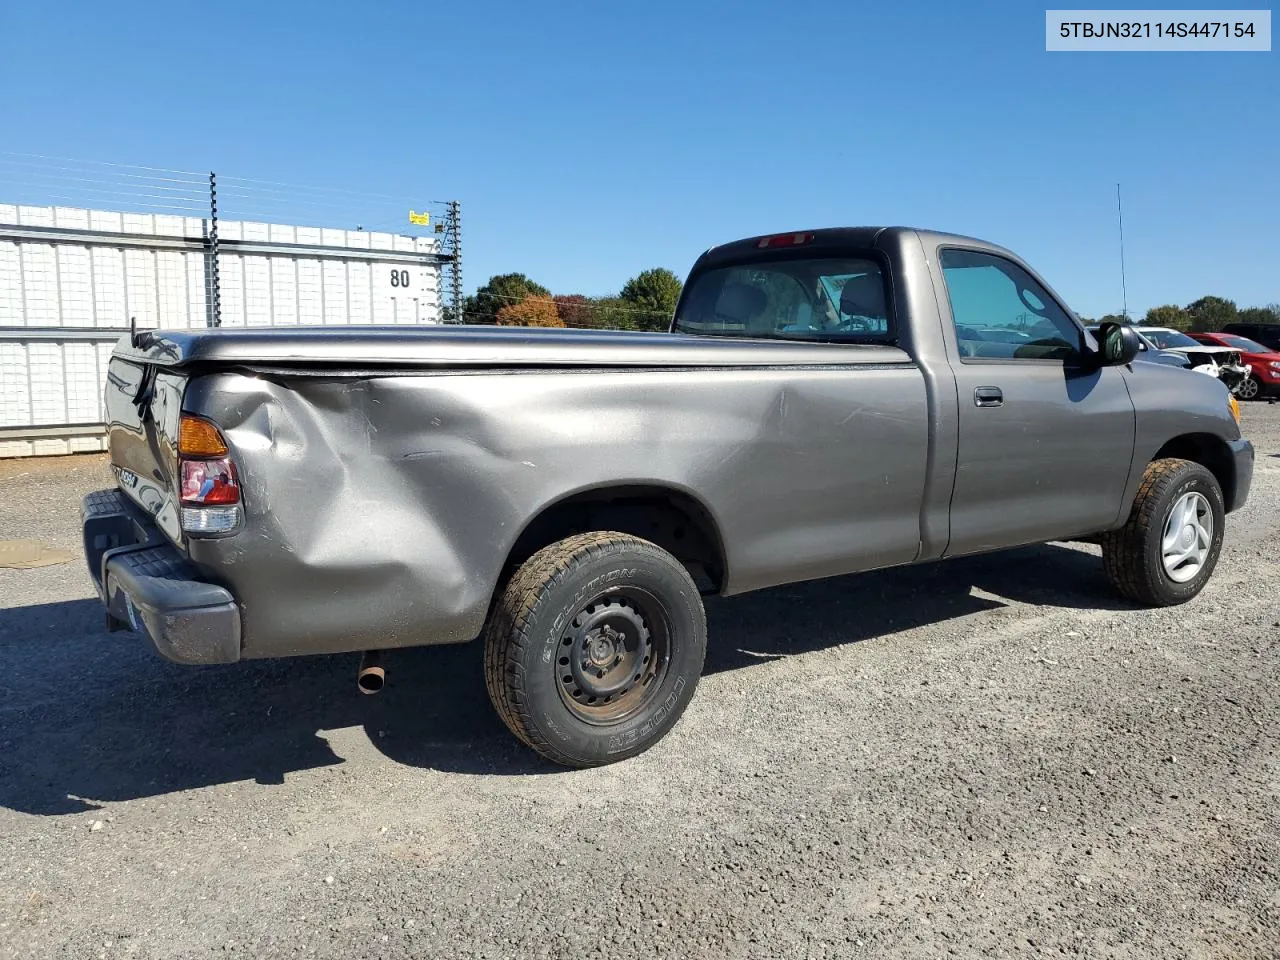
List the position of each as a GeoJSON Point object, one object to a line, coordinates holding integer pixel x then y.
{"type": "Point", "coordinates": [1045, 438]}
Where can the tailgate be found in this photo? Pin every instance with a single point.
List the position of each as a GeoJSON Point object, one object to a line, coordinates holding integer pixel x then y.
{"type": "Point", "coordinates": [144, 408]}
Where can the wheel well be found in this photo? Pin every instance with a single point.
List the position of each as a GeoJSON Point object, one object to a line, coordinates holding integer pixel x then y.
{"type": "Point", "coordinates": [1211, 453]}
{"type": "Point", "coordinates": [674, 521]}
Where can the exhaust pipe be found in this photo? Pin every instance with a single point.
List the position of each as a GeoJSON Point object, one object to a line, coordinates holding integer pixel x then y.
{"type": "Point", "coordinates": [372, 676]}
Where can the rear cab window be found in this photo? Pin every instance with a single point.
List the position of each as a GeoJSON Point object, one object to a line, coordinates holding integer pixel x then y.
{"type": "Point", "coordinates": [826, 299]}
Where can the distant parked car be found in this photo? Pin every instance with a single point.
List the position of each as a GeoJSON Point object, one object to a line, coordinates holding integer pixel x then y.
{"type": "Point", "coordinates": [1225, 363]}
{"type": "Point", "coordinates": [1267, 334]}
{"type": "Point", "coordinates": [1264, 380]}
{"type": "Point", "coordinates": [1149, 352]}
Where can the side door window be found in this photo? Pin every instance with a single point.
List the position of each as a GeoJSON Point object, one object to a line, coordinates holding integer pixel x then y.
{"type": "Point", "coordinates": [1001, 313]}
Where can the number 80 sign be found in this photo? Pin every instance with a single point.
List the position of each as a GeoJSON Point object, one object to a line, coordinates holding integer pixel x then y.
{"type": "Point", "coordinates": [397, 280]}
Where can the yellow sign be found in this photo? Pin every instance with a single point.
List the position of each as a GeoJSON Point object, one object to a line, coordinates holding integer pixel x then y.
{"type": "Point", "coordinates": [421, 219]}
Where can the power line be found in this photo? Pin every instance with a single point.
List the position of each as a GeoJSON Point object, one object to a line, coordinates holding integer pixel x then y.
{"type": "Point", "coordinates": [107, 163]}
{"type": "Point", "coordinates": [147, 179]}
{"type": "Point", "coordinates": [358, 194]}
{"type": "Point", "coordinates": [114, 206]}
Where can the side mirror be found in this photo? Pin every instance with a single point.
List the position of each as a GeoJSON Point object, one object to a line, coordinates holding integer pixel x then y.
{"type": "Point", "coordinates": [1117, 344]}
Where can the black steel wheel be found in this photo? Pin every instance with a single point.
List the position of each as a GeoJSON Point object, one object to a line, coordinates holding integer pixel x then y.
{"type": "Point", "coordinates": [613, 655]}
{"type": "Point", "coordinates": [595, 647]}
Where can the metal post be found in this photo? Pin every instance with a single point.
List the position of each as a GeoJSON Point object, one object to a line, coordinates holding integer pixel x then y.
{"type": "Point", "coordinates": [455, 223]}
{"type": "Point", "coordinates": [1124, 291]}
{"type": "Point", "coordinates": [214, 318]}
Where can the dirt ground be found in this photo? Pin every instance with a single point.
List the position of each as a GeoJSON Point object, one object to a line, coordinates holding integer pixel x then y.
{"type": "Point", "coordinates": [989, 757]}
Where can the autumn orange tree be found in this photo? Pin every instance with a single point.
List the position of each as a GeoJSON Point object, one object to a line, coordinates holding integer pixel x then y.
{"type": "Point", "coordinates": [530, 312]}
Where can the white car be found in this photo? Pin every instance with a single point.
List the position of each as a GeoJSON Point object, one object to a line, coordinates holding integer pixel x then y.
{"type": "Point", "coordinates": [1221, 362]}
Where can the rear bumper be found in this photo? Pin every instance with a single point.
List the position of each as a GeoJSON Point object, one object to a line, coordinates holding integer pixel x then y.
{"type": "Point", "coordinates": [146, 584]}
{"type": "Point", "coordinates": [1242, 455]}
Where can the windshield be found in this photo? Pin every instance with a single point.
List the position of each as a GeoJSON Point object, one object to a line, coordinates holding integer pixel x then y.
{"type": "Point", "coordinates": [832, 298]}
{"type": "Point", "coordinates": [1243, 343]}
{"type": "Point", "coordinates": [1166, 339]}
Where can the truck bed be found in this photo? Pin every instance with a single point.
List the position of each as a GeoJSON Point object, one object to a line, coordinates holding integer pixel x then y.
{"type": "Point", "coordinates": [388, 473]}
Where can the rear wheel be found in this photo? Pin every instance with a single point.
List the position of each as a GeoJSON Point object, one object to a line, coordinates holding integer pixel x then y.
{"type": "Point", "coordinates": [1168, 549]}
{"type": "Point", "coordinates": [594, 648]}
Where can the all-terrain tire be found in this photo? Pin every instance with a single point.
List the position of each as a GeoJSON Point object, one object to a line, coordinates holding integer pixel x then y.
{"type": "Point", "coordinates": [577, 604]}
{"type": "Point", "coordinates": [1132, 555]}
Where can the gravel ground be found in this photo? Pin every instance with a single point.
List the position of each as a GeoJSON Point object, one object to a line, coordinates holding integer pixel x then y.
{"type": "Point", "coordinates": [988, 757]}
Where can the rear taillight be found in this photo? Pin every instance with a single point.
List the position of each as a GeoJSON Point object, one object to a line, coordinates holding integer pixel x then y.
{"type": "Point", "coordinates": [209, 482]}
{"type": "Point", "coordinates": [209, 487]}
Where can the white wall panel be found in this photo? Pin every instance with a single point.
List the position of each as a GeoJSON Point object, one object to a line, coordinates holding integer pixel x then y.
{"type": "Point", "coordinates": [334, 278]}
{"type": "Point", "coordinates": [15, 388]}
{"type": "Point", "coordinates": [231, 290]}
{"type": "Point", "coordinates": [110, 308]}
{"type": "Point", "coordinates": [83, 385]}
{"type": "Point", "coordinates": [140, 288]}
{"type": "Point", "coordinates": [284, 291]}
{"type": "Point", "coordinates": [310, 292]}
{"type": "Point", "coordinates": [11, 309]}
{"type": "Point", "coordinates": [47, 375]}
{"type": "Point", "coordinates": [75, 283]}
{"type": "Point", "coordinates": [39, 284]}
{"type": "Point", "coordinates": [257, 291]}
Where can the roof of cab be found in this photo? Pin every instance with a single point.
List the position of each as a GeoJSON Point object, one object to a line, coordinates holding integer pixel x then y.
{"type": "Point", "coordinates": [826, 238]}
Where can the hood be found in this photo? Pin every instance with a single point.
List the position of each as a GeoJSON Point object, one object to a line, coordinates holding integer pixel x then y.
{"type": "Point", "coordinates": [1202, 348]}
{"type": "Point", "coordinates": [1222, 356]}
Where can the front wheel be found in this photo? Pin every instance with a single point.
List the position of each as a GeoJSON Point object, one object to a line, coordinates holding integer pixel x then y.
{"type": "Point", "coordinates": [594, 648]}
{"type": "Point", "coordinates": [1247, 389]}
{"type": "Point", "coordinates": [1166, 552]}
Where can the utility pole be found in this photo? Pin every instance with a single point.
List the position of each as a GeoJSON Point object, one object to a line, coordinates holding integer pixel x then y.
{"type": "Point", "coordinates": [455, 276]}
{"type": "Point", "coordinates": [214, 318]}
{"type": "Point", "coordinates": [1124, 293]}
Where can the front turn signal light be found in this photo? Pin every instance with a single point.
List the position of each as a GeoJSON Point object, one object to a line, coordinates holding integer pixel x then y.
{"type": "Point", "coordinates": [198, 437]}
{"type": "Point", "coordinates": [1235, 407]}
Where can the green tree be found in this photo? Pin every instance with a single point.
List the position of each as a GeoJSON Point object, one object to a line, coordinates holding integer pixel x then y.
{"type": "Point", "coordinates": [500, 291]}
{"type": "Point", "coordinates": [1211, 313]}
{"type": "Point", "coordinates": [1269, 314]}
{"type": "Point", "coordinates": [1113, 318]}
{"type": "Point", "coordinates": [654, 294]}
{"type": "Point", "coordinates": [615, 313]}
{"type": "Point", "coordinates": [1168, 315]}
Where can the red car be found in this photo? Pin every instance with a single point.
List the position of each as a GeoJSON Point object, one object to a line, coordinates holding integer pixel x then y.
{"type": "Point", "coordinates": [1264, 380]}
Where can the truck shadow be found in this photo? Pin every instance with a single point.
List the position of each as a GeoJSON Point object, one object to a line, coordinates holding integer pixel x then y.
{"type": "Point", "coordinates": [803, 617]}
{"type": "Point", "coordinates": [88, 718]}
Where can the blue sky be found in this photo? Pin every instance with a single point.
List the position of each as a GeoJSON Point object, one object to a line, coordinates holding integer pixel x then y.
{"type": "Point", "coordinates": [590, 140]}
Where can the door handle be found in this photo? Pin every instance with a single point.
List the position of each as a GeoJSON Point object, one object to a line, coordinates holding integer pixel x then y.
{"type": "Point", "coordinates": [988, 397]}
